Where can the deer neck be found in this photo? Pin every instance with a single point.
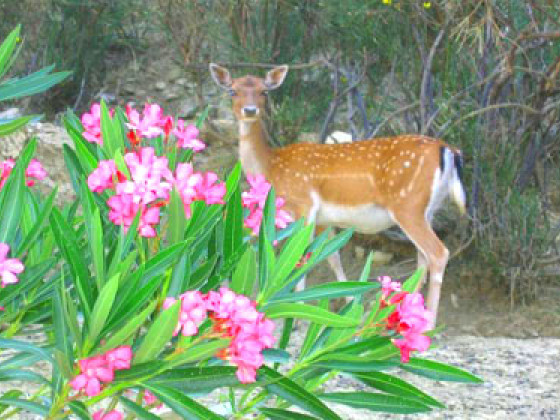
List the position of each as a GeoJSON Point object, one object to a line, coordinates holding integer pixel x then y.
{"type": "Point", "coordinates": [254, 151]}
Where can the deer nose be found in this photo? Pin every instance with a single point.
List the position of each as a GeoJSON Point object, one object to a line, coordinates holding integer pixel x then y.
{"type": "Point", "coordinates": [250, 111]}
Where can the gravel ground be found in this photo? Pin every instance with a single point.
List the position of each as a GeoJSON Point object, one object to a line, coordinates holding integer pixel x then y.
{"type": "Point", "coordinates": [521, 380]}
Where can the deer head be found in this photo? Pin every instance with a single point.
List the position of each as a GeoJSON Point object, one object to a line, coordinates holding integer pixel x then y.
{"type": "Point", "coordinates": [248, 93]}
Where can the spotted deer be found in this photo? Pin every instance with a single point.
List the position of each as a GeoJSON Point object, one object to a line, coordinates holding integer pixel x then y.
{"type": "Point", "coordinates": [369, 185]}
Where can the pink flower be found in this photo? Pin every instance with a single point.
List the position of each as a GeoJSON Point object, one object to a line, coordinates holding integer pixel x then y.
{"type": "Point", "coordinates": [102, 177]}
{"type": "Point", "coordinates": [111, 415]}
{"type": "Point", "coordinates": [150, 124]}
{"type": "Point", "coordinates": [150, 176]}
{"type": "Point", "coordinates": [410, 319]}
{"type": "Point", "coordinates": [123, 209]}
{"type": "Point", "coordinates": [35, 170]}
{"type": "Point", "coordinates": [9, 267]}
{"type": "Point", "coordinates": [411, 342]}
{"type": "Point", "coordinates": [255, 200]}
{"type": "Point", "coordinates": [93, 371]}
{"type": "Point", "coordinates": [210, 190]}
{"type": "Point", "coordinates": [187, 136]}
{"type": "Point", "coordinates": [388, 286]}
{"type": "Point", "coordinates": [92, 125]}
{"type": "Point", "coordinates": [119, 358]}
{"type": "Point", "coordinates": [192, 314]}
{"type": "Point", "coordinates": [186, 182]}
{"type": "Point", "coordinates": [149, 398]}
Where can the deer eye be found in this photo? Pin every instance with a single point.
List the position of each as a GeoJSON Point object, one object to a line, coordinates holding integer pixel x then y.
{"type": "Point", "coordinates": [232, 92]}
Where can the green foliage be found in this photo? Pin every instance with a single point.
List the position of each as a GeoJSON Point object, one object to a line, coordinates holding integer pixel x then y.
{"type": "Point", "coordinates": [15, 88]}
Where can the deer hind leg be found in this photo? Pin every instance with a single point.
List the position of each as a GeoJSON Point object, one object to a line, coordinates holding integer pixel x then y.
{"type": "Point", "coordinates": [419, 231]}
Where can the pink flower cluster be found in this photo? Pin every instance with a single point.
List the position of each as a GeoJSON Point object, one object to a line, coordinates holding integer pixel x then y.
{"type": "Point", "coordinates": [255, 199]}
{"type": "Point", "coordinates": [111, 415]}
{"type": "Point", "coordinates": [100, 369]}
{"type": "Point", "coordinates": [410, 318]}
{"type": "Point", "coordinates": [236, 317]}
{"type": "Point", "coordinates": [148, 188]}
{"type": "Point", "coordinates": [9, 267]}
{"type": "Point", "coordinates": [193, 186]}
{"type": "Point", "coordinates": [34, 172]}
{"type": "Point", "coordinates": [150, 124]}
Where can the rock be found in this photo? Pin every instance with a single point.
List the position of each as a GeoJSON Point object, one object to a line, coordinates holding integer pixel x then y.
{"type": "Point", "coordinates": [381, 258]}
{"type": "Point", "coordinates": [360, 252]}
{"type": "Point", "coordinates": [171, 96]}
{"type": "Point", "coordinates": [182, 82]}
{"type": "Point", "coordinates": [338, 137]}
{"type": "Point", "coordinates": [160, 85]}
{"type": "Point", "coordinates": [10, 114]}
{"type": "Point", "coordinates": [187, 108]}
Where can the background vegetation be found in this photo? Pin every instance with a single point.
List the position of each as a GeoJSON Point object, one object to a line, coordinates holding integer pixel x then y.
{"type": "Point", "coordinates": [482, 74]}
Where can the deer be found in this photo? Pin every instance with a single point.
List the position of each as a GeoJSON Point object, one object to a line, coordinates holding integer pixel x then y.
{"type": "Point", "coordinates": [369, 185]}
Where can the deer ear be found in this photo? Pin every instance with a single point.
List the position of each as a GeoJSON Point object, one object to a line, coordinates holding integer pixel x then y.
{"type": "Point", "coordinates": [275, 77]}
{"type": "Point", "coordinates": [221, 76]}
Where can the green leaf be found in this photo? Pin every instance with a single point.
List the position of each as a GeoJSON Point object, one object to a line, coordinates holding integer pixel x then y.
{"type": "Point", "coordinates": [377, 402]}
{"type": "Point", "coordinates": [159, 334]}
{"type": "Point", "coordinates": [199, 352]}
{"type": "Point", "coordinates": [111, 132]}
{"type": "Point", "coordinates": [295, 394]}
{"type": "Point", "coordinates": [140, 412]}
{"type": "Point", "coordinates": [61, 329]}
{"type": "Point", "coordinates": [79, 409]}
{"type": "Point", "coordinates": [396, 386]}
{"type": "Point", "coordinates": [33, 234]}
{"type": "Point", "coordinates": [233, 233]}
{"type": "Point", "coordinates": [102, 308]}
{"type": "Point", "coordinates": [439, 371]}
{"type": "Point", "coordinates": [311, 313]}
{"type": "Point", "coordinates": [312, 332]}
{"type": "Point", "coordinates": [245, 274]}
{"type": "Point", "coordinates": [32, 84]}
{"type": "Point", "coordinates": [140, 372]}
{"type": "Point", "coordinates": [411, 284]}
{"type": "Point", "coordinates": [26, 348]}
{"type": "Point", "coordinates": [352, 363]}
{"type": "Point", "coordinates": [22, 375]}
{"type": "Point", "coordinates": [7, 49]}
{"type": "Point", "coordinates": [15, 124]}
{"type": "Point", "coordinates": [280, 414]}
{"type": "Point", "coordinates": [12, 196]}
{"type": "Point", "coordinates": [184, 406]}
{"type": "Point", "coordinates": [203, 272]}
{"type": "Point", "coordinates": [232, 181]}
{"type": "Point", "coordinates": [129, 329]}
{"type": "Point", "coordinates": [68, 243]}
{"type": "Point", "coordinates": [195, 380]}
{"type": "Point", "coordinates": [96, 244]}
{"type": "Point", "coordinates": [276, 355]}
{"type": "Point", "coordinates": [163, 260]}
{"type": "Point", "coordinates": [177, 220]}
{"type": "Point", "coordinates": [326, 291]}
{"type": "Point", "coordinates": [33, 407]}
{"type": "Point", "coordinates": [291, 254]}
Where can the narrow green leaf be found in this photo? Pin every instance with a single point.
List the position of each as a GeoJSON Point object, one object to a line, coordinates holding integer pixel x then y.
{"type": "Point", "coordinates": [111, 140]}
{"type": "Point", "coordinates": [96, 245]}
{"type": "Point", "coordinates": [326, 291]}
{"type": "Point", "coordinates": [163, 260]}
{"type": "Point", "coordinates": [61, 329]}
{"type": "Point", "coordinates": [177, 220]}
{"type": "Point", "coordinates": [32, 407]}
{"type": "Point", "coordinates": [129, 329]}
{"type": "Point", "coordinates": [245, 274]}
{"type": "Point", "coordinates": [232, 181]}
{"type": "Point", "coordinates": [311, 313]}
{"type": "Point", "coordinates": [30, 85]}
{"type": "Point", "coordinates": [194, 380]}
{"type": "Point", "coordinates": [159, 334]}
{"type": "Point", "coordinates": [233, 233]}
{"type": "Point", "coordinates": [377, 402]}
{"type": "Point", "coordinates": [26, 348]}
{"type": "Point", "coordinates": [15, 124]}
{"type": "Point", "coordinates": [396, 386]}
{"type": "Point", "coordinates": [138, 410]}
{"type": "Point", "coordinates": [102, 308]}
{"type": "Point", "coordinates": [280, 414]}
{"type": "Point", "coordinates": [22, 375]}
{"type": "Point", "coordinates": [295, 394]}
{"type": "Point", "coordinates": [7, 48]}
{"type": "Point", "coordinates": [411, 284]}
{"type": "Point", "coordinates": [439, 371]}
{"type": "Point", "coordinates": [312, 332]}
{"type": "Point", "coordinates": [350, 363]}
{"type": "Point", "coordinates": [199, 352]}
{"type": "Point", "coordinates": [184, 406]}
{"type": "Point", "coordinates": [80, 410]}
{"type": "Point", "coordinates": [39, 225]}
